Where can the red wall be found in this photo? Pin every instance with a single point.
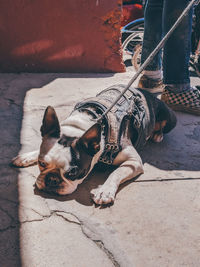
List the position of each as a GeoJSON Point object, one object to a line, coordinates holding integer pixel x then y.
{"type": "Point", "coordinates": [60, 36]}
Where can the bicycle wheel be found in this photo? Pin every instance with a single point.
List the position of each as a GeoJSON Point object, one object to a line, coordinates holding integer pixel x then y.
{"type": "Point", "coordinates": [136, 59]}
{"type": "Point", "coordinates": [134, 39]}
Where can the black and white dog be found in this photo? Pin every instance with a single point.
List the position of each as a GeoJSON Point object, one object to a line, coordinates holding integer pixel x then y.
{"type": "Point", "coordinates": [70, 150]}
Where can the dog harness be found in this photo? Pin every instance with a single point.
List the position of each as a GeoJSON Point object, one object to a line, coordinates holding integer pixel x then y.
{"type": "Point", "coordinates": [131, 108]}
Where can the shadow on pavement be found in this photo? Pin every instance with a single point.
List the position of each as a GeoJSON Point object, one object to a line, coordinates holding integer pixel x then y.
{"type": "Point", "coordinates": [13, 89]}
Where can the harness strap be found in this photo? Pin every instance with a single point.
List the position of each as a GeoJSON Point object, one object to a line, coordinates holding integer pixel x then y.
{"type": "Point", "coordinates": [110, 126]}
{"type": "Point", "coordinates": [112, 121]}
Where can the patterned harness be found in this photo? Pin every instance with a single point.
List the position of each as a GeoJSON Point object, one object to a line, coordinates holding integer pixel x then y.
{"type": "Point", "coordinates": [130, 107]}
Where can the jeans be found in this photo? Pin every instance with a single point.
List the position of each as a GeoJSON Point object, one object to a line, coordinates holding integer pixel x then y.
{"type": "Point", "coordinates": [160, 15]}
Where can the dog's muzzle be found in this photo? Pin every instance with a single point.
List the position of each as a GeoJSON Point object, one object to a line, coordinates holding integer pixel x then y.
{"type": "Point", "coordinates": [52, 180]}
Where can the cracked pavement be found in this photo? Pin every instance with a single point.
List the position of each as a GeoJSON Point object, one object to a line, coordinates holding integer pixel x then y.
{"type": "Point", "coordinates": [155, 218]}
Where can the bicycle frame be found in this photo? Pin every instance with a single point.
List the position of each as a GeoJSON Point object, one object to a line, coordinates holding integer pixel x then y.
{"type": "Point", "coordinates": [130, 25]}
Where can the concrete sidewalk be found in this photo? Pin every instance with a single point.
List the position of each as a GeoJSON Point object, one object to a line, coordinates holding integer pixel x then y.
{"type": "Point", "coordinates": [155, 220]}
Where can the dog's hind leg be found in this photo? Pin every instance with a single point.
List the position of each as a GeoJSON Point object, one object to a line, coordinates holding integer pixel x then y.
{"type": "Point", "coordinates": [130, 165]}
{"type": "Point", "coordinates": [165, 121]}
{"type": "Point", "coordinates": [26, 159]}
{"type": "Point", "coordinates": [157, 135]}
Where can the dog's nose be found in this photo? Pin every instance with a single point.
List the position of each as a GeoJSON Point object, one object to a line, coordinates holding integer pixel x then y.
{"type": "Point", "coordinates": [52, 180]}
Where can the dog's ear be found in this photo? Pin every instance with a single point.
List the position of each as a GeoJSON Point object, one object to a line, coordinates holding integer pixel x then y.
{"type": "Point", "coordinates": [50, 124]}
{"type": "Point", "coordinates": [90, 141]}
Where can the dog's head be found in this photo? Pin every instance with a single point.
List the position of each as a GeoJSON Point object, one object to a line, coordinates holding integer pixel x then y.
{"type": "Point", "coordinates": [65, 161]}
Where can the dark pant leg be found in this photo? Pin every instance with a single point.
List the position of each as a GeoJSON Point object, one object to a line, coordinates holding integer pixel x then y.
{"type": "Point", "coordinates": [177, 49]}
{"type": "Point", "coordinates": [152, 32]}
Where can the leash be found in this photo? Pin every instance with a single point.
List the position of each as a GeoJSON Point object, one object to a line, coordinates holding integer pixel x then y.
{"type": "Point", "coordinates": [151, 56]}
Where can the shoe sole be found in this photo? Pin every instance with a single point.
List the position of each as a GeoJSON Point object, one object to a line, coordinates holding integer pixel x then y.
{"type": "Point", "coordinates": [184, 109]}
{"type": "Point", "coordinates": [153, 90]}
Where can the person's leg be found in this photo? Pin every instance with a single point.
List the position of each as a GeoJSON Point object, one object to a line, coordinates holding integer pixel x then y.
{"type": "Point", "coordinates": [177, 49]}
{"type": "Point", "coordinates": [152, 75]}
{"type": "Point", "coordinates": [152, 32]}
{"type": "Point", "coordinates": [178, 93]}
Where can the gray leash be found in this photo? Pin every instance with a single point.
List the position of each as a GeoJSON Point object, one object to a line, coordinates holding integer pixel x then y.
{"type": "Point", "coordinates": [151, 56]}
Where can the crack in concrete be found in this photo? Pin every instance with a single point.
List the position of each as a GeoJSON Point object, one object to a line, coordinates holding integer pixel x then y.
{"type": "Point", "coordinates": [103, 237]}
{"type": "Point", "coordinates": [12, 102]}
{"type": "Point", "coordinates": [8, 228]}
{"type": "Point", "coordinates": [66, 219]}
{"type": "Point", "coordinates": [7, 213]}
{"type": "Point", "coordinates": [44, 217]}
{"type": "Point", "coordinates": [167, 179]}
{"type": "Point", "coordinates": [93, 230]}
{"type": "Point", "coordinates": [9, 200]}
{"type": "Point", "coordinates": [12, 222]}
{"type": "Point", "coordinates": [100, 244]}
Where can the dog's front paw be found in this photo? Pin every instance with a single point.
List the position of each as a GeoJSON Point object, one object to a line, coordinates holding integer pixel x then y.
{"type": "Point", "coordinates": [103, 194]}
{"type": "Point", "coordinates": [25, 160]}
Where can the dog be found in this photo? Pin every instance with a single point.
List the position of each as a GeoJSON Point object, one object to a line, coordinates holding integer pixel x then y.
{"type": "Point", "coordinates": [70, 149]}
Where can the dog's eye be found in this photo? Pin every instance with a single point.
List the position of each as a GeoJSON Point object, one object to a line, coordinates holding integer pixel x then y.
{"type": "Point", "coordinates": [42, 164]}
